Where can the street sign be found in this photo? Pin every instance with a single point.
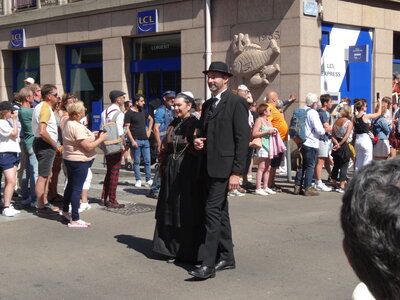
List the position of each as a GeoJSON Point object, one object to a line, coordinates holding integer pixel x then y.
{"type": "Point", "coordinates": [358, 53]}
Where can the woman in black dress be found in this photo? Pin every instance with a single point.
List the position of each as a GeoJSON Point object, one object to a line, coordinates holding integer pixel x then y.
{"type": "Point", "coordinates": [179, 231]}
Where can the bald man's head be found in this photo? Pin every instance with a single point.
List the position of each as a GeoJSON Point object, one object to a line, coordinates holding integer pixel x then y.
{"type": "Point", "coordinates": [272, 98]}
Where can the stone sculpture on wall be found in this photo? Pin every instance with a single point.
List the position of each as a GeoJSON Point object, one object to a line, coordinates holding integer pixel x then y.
{"type": "Point", "coordinates": [254, 63]}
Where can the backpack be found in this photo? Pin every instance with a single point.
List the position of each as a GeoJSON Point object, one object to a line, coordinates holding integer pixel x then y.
{"type": "Point", "coordinates": [113, 143]}
{"type": "Point", "coordinates": [297, 128]}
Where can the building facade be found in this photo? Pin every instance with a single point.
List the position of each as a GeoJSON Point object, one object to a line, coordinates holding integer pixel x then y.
{"type": "Point", "coordinates": [347, 48]}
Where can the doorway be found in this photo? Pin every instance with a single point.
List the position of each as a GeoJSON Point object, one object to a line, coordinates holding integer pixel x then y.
{"type": "Point", "coordinates": [156, 66]}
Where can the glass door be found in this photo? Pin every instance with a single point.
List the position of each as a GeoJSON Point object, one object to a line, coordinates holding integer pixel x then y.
{"type": "Point", "coordinates": [156, 66]}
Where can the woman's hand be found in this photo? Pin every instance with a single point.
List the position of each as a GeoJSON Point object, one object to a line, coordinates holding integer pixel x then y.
{"type": "Point", "coordinates": [272, 131]}
{"type": "Point", "coordinates": [102, 136]}
{"type": "Point", "coordinates": [14, 116]}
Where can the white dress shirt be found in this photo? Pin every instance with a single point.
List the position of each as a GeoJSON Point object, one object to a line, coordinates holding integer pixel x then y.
{"type": "Point", "coordinates": [313, 128]}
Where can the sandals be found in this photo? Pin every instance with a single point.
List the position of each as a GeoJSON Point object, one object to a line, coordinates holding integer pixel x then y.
{"type": "Point", "coordinates": [79, 224]}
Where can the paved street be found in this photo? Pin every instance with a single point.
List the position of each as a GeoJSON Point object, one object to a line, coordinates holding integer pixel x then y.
{"type": "Point", "coordinates": [286, 246]}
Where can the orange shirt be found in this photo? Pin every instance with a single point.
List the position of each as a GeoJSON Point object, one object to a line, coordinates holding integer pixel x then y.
{"type": "Point", "coordinates": [278, 122]}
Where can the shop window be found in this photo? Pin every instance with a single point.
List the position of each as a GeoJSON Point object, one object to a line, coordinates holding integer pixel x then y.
{"type": "Point", "coordinates": [85, 72]}
{"type": "Point", "coordinates": [26, 63]}
{"type": "Point", "coordinates": [396, 52]}
{"type": "Point", "coordinates": [156, 65]}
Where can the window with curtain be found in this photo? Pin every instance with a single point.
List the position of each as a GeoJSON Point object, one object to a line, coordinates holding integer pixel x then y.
{"type": "Point", "coordinates": [85, 72]}
{"type": "Point", "coordinates": [26, 63]}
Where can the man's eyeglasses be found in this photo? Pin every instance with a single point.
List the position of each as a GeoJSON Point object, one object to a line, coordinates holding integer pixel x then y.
{"type": "Point", "coordinates": [54, 94]}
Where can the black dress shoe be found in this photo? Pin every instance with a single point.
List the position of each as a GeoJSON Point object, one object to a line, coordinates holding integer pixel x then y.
{"type": "Point", "coordinates": [224, 265]}
{"type": "Point", "coordinates": [171, 260]}
{"type": "Point", "coordinates": [203, 272]}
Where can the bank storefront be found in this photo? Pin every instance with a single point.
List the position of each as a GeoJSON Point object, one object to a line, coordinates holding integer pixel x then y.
{"type": "Point", "coordinates": [91, 47]}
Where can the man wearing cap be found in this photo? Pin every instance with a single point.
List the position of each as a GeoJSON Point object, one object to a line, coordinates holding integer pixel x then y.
{"type": "Point", "coordinates": [162, 118]}
{"type": "Point", "coordinates": [113, 161]}
{"type": "Point", "coordinates": [223, 136]}
{"type": "Point", "coordinates": [29, 81]}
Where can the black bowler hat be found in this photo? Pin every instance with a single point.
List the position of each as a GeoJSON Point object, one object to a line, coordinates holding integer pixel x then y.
{"type": "Point", "coordinates": [218, 66]}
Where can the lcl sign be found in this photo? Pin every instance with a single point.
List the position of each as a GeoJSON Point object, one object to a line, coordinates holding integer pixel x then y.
{"type": "Point", "coordinates": [18, 38]}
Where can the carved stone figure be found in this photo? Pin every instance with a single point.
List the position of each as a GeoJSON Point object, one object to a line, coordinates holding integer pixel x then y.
{"type": "Point", "coordinates": [254, 63]}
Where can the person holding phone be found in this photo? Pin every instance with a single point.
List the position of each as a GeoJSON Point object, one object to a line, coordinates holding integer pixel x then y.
{"type": "Point", "coordinates": [78, 155]}
{"type": "Point", "coordinates": [363, 144]}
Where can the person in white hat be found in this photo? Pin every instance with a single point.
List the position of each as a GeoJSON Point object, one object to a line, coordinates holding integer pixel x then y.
{"type": "Point", "coordinates": [29, 81]}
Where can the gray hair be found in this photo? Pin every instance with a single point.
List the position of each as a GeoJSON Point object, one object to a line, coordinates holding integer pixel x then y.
{"type": "Point", "coordinates": [311, 98]}
{"type": "Point", "coordinates": [24, 93]}
{"type": "Point", "coordinates": [199, 102]}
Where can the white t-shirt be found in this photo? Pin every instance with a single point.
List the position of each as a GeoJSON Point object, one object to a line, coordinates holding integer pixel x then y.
{"type": "Point", "coordinates": [108, 114]}
{"type": "Point", "coordinates": [7, 143]}
{"type": "Point", "coordinates": [43, 113]}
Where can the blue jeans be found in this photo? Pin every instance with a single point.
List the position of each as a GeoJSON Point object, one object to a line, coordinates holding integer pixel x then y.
{"type": "Point", "coordinates": [30, 176]}
{"type": "Point", "coordinates": [76, 173]}
{"type": "Point", "coordinates": [144, 148]}
{"type": "Point", "coordinates": [306, 168]}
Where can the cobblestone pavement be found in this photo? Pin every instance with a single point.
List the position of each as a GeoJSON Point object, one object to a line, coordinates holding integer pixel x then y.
{"type": "Point", "coordinates": [286, 246]}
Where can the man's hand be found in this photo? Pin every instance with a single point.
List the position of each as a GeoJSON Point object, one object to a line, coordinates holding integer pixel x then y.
{"type": "Point", "coordinates": [233, 182]}
{"type": "Point", "coordinates": [199, 143]}
{"type": "Point", "coordinates": [133, 143]}
{"type": "Point", "coordinates": [292, 97]}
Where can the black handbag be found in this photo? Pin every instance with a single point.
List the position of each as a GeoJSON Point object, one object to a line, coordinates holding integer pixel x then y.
{"type": "Point", "coordinates": [344, 152]}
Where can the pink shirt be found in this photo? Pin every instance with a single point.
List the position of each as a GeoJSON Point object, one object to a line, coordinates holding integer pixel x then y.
{"type": "Point", "coordinates": [73, 132]}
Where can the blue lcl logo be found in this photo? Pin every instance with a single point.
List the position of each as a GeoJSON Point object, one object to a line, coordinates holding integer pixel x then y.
{"type": "Point", "coordinates": [147, 21]}
{"type": "Point", "coordinates": [18, 38]}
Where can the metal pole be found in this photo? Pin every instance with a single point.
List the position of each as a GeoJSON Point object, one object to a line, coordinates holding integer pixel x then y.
{"type": "Point", "coordinates": [288, 161]}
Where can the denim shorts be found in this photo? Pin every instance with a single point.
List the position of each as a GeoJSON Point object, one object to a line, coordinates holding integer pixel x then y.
{"type": "Point", "coordinates": [8, 160]}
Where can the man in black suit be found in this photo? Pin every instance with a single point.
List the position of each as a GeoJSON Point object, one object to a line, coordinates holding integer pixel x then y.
{"type": "Point", "coordinates": [224, 137]}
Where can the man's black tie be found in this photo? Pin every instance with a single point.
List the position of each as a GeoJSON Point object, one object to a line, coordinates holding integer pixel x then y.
{"type": "Point", "coordinates": [213, 105]}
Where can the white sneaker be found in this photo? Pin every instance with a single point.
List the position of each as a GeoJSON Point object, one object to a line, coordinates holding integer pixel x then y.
{"type": "Point", "coordinates": [235, 192]}
{"type": "Point", "coordinates": [322, 187]}
{"type": "Point", "coordinates": [138, 183]}
{"type": "Point", "coordinates": [282, 170]}
{"type": "Point", "coordinates": [340, 190]}
{"type": "Point", "coordinates": [261, 192]}
{"type": "Point", "coordinates": [149, 182]}
{"type": "Point", "coordinates": [84, 206]}
{"type": "Point", "coordinates": [9, 212]}
{"type": "Point", "coordinates": [269, 191]}
{"type": "Point", "coordinates": [13, 208]}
